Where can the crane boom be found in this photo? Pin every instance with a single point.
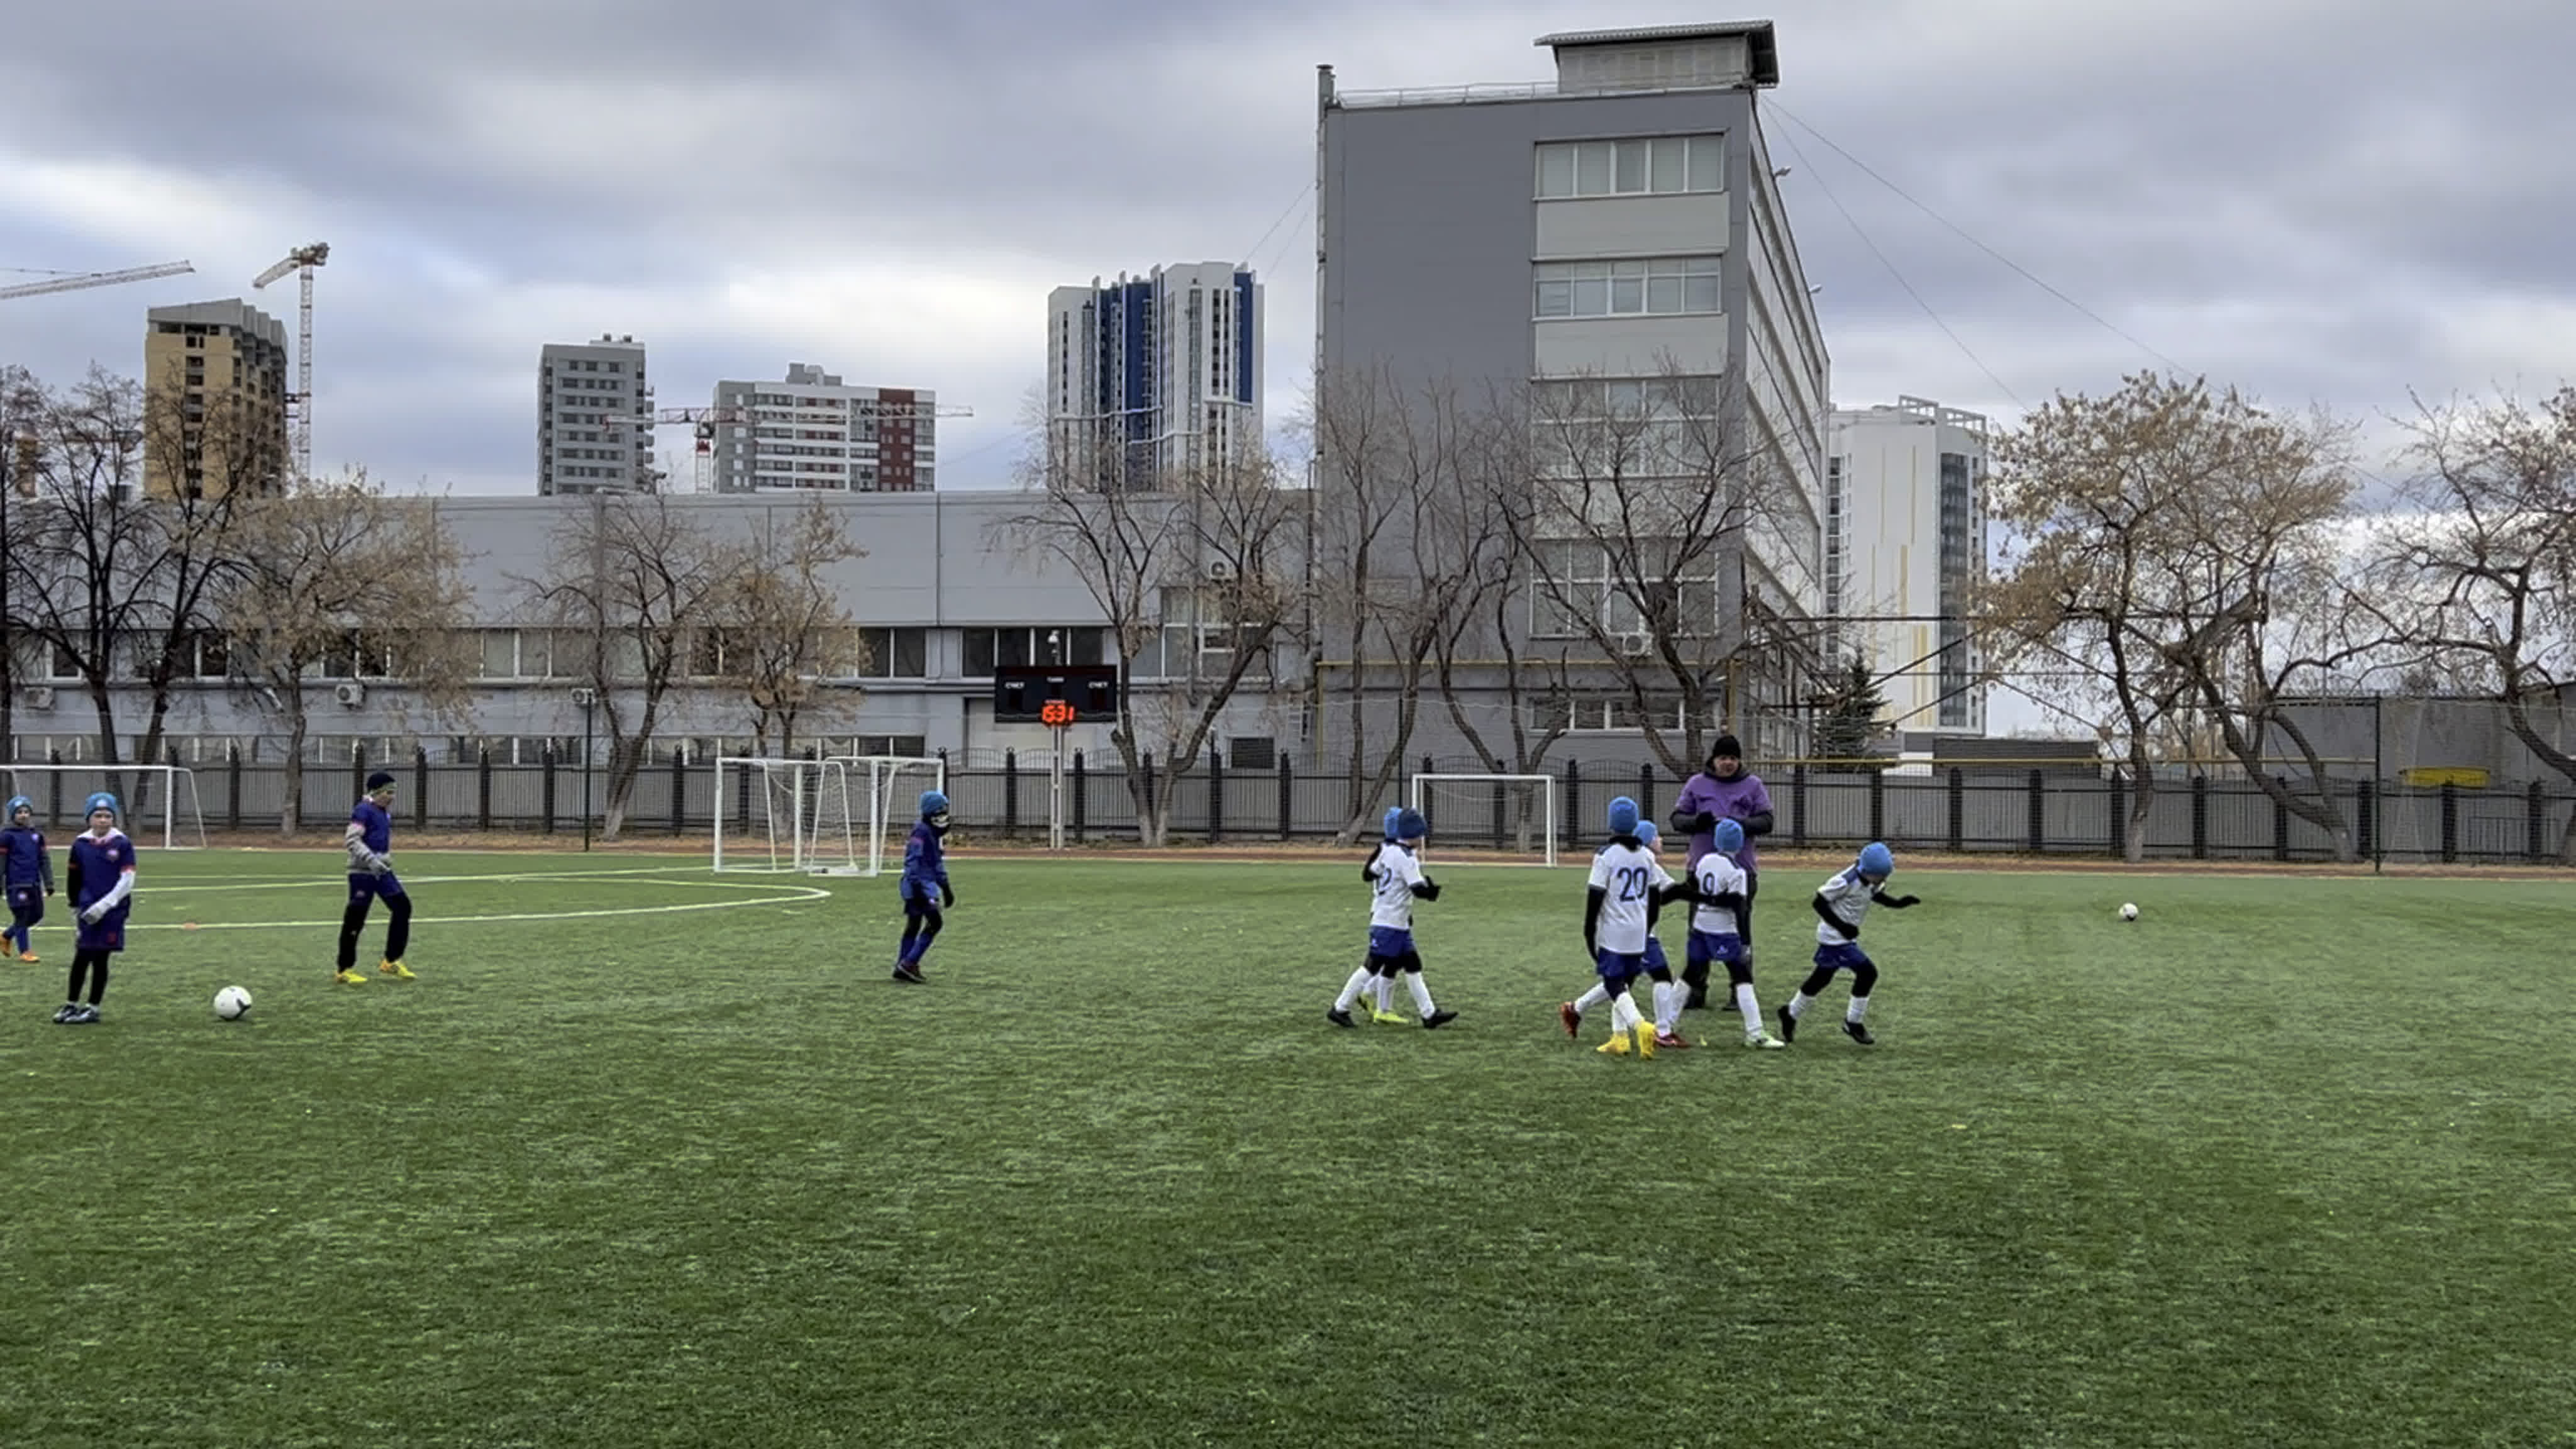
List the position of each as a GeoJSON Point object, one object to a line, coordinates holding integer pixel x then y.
{"type": "Point", "coordinates": [95, 279]}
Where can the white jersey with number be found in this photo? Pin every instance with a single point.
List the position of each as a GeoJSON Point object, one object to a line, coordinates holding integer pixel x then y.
{"type": "Point", "coordinates": [1847, 896]}
{"type": "Point", "coordinates": [1717, 875]}
{"type": "Point", "coordinates": [1627, 877]}
{"type": "Point", "coordinates": [1398, 872]}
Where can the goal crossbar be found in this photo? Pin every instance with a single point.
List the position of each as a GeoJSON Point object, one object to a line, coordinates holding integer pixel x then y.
{"type": "Point", "coordinates": [153, 800]}
{"type": "Point", "coordinates": [1516, 814]}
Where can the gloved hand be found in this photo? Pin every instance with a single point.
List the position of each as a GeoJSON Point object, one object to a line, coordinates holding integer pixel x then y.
{"type": "Point", "coordinates": [1901, 902]}
{"type": "Point", "coordinates": [93, 914]}
{"type": "Point", "coordinates": [1703, 823]}
{"type": "Point", "coordinates": [947, 894]}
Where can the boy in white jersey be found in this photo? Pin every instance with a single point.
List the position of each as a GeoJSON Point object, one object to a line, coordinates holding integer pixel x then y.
{"type": "Point", "coordinates": [1620, 903]}
{"type": "Point", "coordinates": [1395, 880]}
{"type": "Point", "coordinates": [1717, 928]}
{"type": "Point", "coordinates": [1377, 994]}
{"type": "Point", "coordinates": [1840, 903]}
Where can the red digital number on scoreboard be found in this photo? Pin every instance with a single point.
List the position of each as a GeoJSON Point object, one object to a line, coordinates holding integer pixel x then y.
{"type": "Point", "coordinates": [1056, 713]}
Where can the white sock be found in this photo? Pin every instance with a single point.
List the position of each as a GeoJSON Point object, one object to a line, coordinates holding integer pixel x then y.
{"type": "Point", "coordinates": [1799, 1003]}
{"type": "Point", "coordinates": [1421, 993]}
{"type": "Point", "coordinates": [1351, 989]}
{"type": "Point", "coordinates": [1623, 1013]}
{"type": "Point", "coordinates": [1746, 1002]}
{"type": "Point", "coordinates": [1383, 994]}
{"type": "Point", "coordinates": [1667, 1005]}
{"type": "Point", "coordinates": [1592, 998]}
{"type": "Point", "coordinates": [1859, 1008]}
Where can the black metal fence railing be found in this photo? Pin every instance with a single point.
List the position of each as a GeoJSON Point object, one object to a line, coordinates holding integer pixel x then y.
{"type": "Point", "coordinates": [2033, 812]}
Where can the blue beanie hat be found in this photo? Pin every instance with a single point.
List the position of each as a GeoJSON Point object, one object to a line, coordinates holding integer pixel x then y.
{"type": "Point", "coordinates": [933, 803]}
{"type": "Point", "coordinates": [101, 801]}
{"type": "Point", "coordinates": [1647, 832]}
{"type": "Point", "coordinates": [16, 804]}
{"type": "Point", "coordinates": [1394, 813]}
{"type": "Point", "coordinates": [1728, 838]}
{"type": "Point", "coordinates": [1410, 825]}
{"type": "Point", "coordinates": [1623, 816]}
{"type": "Point", "coordinates": [1877, 860]}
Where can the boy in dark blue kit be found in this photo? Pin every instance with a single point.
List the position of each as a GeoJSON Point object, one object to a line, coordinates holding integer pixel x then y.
{"type": "Point", "coordinates": [30, 874]}
{"type": "Point", "coordinates": [925, 889]}
{"type": "Point", "coordinates": [102, 891]}
{"type": "Point", "coordinates": [370, 841]}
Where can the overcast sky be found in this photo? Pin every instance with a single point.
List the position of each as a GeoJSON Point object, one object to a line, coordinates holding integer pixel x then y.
{"type": "Point", "coordinates": [2322, 202]}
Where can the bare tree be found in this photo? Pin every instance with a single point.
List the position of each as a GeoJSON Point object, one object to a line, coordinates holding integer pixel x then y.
{"type": "Point", "coordinates": [1196, 577]}
{"type": "Point", "coordinates": [2478, 574]}
{"type": "Point", "coordinates": [785, 632]}
{"type": "Point", "coordinates": [627, 580]}
{"type": "Point", "coordinates": [335, 571]}
{"type": "Point", "coordinates": [1643, 500]}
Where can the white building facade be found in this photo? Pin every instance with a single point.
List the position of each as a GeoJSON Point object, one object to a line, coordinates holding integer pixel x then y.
{"type": "Point", "coordinates": [1155, 374]}
{"type": "Point", "coordinates": [1905, 545]}
{"type": "Point", "coordinates": [811, 432]}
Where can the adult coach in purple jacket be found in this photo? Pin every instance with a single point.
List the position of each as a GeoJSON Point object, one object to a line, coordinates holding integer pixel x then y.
{"type": "Point", "coordinates": [1723, 790]}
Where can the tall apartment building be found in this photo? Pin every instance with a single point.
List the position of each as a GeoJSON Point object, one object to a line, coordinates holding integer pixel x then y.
{"type": "Point", "coordinates": [214, 378]}
{"type": "Point", "coordinates": [1153, 374]}
{"type": "Point", "coordinates": [1905, 544]}
{"type": "Point", "coordinates": [591, 397]}
{"type": "Point", "coordinates": [811, 431]}
{"type": "Point", "coordinates": [1610, 247]}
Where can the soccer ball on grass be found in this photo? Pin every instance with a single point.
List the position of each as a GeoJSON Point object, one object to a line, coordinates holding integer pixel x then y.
{"type": "Point", "coordinates": [232, 1003]}
{"type": "Point", "coordinates": [2128, 910]}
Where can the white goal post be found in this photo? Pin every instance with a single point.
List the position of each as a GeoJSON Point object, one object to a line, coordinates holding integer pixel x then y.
{"type": "Point", "coordinates": [158, 805]}
{"type": "Point", "coordinates": [1509, 814]}
{"type": "Point", "coordinates": [877, 800]}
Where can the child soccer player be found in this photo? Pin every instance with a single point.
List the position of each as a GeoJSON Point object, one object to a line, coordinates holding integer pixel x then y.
{"type": "Point", "coordinates": [1619, 908]}
{"type": "Point", "coordinates": [924, 888]}
{"type": "Point", "coordinates": [370, 843]}
{"type": "Point", "coordinates": [30, 872]}
{"type": "Point", "coordinates": [102, 891]}
{"type": "Point", "coordinates": [1840, 904]}
{"type": "Point", "coordinates": [1395, 881]}
{"type": "Point", "coordinates": [1717, 935]}
{"type": "Point", "coordinates": [1378, 990]}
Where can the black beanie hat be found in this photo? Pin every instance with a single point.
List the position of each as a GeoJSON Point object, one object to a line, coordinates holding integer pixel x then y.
{"type": "Point", "coordinates": [1726, 745]}
{"type": "Point", "coordinates": [379, 780]}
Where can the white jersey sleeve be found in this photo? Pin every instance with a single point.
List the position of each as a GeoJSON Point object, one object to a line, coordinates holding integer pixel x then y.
{"type": "Point", "coordinates": [1847, 896]}
{"type": "Point", "coordinates": [1601, 869]}
{"type": "Point", "coordinates": [1718, 876]}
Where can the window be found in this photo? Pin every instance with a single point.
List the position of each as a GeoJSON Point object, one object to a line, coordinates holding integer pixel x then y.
{"type": "Point", "coordinates": [896, 653]}
{"type": "Point", "coordinates": [1654, 286]}
{"type": "Point", "coordinates": [1640, 594]}
{"type": "Point", "coordinates": [1034, 644]}
{"type": "Point", "coordinates": [1664, 165]}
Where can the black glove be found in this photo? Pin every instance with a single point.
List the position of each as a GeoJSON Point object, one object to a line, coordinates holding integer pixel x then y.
{"type": "Point", "coordinates": [1428, 890]}
{"type": "Point", "coordinates": [1899, 903]}
{"type": "Point", "coordinates": [1702, 823]}
{"type": "Point", "coordinates": [947, 894]}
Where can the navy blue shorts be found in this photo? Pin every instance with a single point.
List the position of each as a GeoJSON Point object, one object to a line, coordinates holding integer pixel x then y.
{"type": "Point", "coordinates": [1841, 956]}
{"type": "Point", "coordinates": [106, 934]}
{"type": "Point", "coordinates": [1617, 966]}
{"type": "Point", "coordinates": [1707, 948]}
{"type": "Point", "coordinates": [366, 885]}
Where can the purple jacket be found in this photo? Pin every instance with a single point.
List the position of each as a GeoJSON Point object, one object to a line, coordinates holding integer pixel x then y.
{"type": "Point", "coordinates": [1734, 799]}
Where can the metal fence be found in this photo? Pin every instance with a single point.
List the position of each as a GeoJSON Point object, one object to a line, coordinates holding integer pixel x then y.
{"type": "Point", "coordinates": [1966, 811]}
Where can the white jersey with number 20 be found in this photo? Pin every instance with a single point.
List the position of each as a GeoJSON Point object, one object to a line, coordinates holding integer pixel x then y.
{"type": "Point", "coordinates": [1627, 877]}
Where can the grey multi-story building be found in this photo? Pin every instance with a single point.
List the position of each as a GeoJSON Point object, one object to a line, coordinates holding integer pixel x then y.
{"type": "Point", "coordinates": [1905, 548]}
{"type": "Point", "coordinates": [593, 404]}
{"type": "Point", "coordinates": [1609, 251]}
{"type": "Point", "coordinates": [1154, 375]}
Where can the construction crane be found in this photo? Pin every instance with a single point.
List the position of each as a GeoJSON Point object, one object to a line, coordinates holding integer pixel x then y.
{"type": "Point", "coordinates": [74, 281]}
{"type": "Point", "coordinates": [705, 420]}
{"type": "Point", "coordinates": [302, 260]}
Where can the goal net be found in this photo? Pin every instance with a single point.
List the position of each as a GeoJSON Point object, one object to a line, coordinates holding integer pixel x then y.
{"type": "Point", "coordinates": [767, 813]}
{"type": "Point", "coordinates": [1510, 816]}
{"type": "Point", "coordinates": [159, 806]}
{"type": "Point", "coordinates": [873, 808]}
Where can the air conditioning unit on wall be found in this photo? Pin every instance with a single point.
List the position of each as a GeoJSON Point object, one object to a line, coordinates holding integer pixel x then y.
{"type": "Point", "coordinates": [1219, 571]}
{"type": "Point", "coordinates": [352, 695]}
{"type": "Point", "coordinates": [40, 696]}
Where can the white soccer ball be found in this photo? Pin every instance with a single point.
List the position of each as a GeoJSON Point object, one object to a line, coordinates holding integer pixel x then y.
{"type": "Point", "coordinates": [2128, 910]}
{"type": "Point", "coordinates": [232, 1003]}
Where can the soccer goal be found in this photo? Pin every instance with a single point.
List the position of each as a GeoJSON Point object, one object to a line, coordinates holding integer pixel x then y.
{"type": "Point", "coordinates": [875, 806]}
{"type": "Point", "coordinates": [159, 803]}
{"type": "Point", "coordinates": [1512, 815]}
{"type": "Point", "coordinates": [769, 813]}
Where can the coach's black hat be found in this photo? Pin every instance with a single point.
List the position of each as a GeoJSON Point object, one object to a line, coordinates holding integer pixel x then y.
{"type": "Point", "coordinates": [379, 780]}
{"type": "Point", "coordinates": [1727, 745]}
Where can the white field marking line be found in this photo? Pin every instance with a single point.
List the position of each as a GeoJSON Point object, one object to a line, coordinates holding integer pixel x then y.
{"type": "Point", "coordinates": [272, 883]}
{"type": "Point", "coordinates": [800, 893]}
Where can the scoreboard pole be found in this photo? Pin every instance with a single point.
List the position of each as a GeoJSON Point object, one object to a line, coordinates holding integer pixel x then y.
{"type": "Point", "coordinates": [1058, 716]}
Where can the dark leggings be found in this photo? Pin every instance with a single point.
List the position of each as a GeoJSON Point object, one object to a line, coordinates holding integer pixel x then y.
{"type": "Point", "coordinates": [922, 925]}
{"type": "Point", "coordinates": [24, 914]}
{"type": "Point", "coordinates": [92, 964]}
{"type": "Point", "coordinates": [397, 929]}
{"type": "Point", "coordinates": [1864, 977]}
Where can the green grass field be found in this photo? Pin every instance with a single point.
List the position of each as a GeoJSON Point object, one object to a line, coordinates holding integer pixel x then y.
{"type": "Point", "coordinates": [2289, 1161]}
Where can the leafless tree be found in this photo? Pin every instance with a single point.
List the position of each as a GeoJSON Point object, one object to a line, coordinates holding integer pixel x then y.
{"type": "Point", "coordinates": [784, 632]}
{"type": "Point", "coordinates": [335, 573]}
{"type": "Point", "coordinates": [1196, 573]}
{"type": "Point", "coordinates": [627, 580]}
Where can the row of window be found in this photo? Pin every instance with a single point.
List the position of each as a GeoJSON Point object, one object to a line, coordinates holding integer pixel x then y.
{"type": "Point", "coordinates": [1648, 287]}
{"type": "Point", "coordinates": [1670, 165]}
